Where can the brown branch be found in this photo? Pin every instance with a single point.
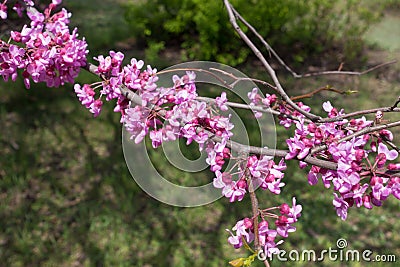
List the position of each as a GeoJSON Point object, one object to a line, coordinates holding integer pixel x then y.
{"type": "Point", "coordinates": [270, 70]}
{"type": "Point", "coordinates": [357, 73]}
{"type": "Point", "coordinates": [311, 94]}
{"type": "Point", "coordinates": [238, 79]}
{"type": "Point", "coordinates": [254, 210]}
{"type": "Point", "coordinates": [395, 104]}
{"type": "Point", "coordinates": [296, 75]}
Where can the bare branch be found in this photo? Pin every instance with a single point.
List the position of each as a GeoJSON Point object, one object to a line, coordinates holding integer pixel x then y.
{"type": "Point", "coordinates": [267, 66]}
{"type": "Point", "coordinates": [325, 88]}
{"type": "Point", "coordinates": [357, 73]}
{"type": "Point", "coordinates": [296, 75]}
{"type": "Point", "coordinates": [395, 104]}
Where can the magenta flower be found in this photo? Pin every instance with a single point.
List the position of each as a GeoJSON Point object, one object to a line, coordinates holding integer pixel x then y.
{"type": "Point", "coordinates": [221, 100]}
{"type": "Point", "coordinates": [85, 94]}
{"type": "Point", "coordinates": [341, 206]}
{"type": "Point", "coordinates": [389, 154]}
{"type": "Point", "coordinates": [241, 232]}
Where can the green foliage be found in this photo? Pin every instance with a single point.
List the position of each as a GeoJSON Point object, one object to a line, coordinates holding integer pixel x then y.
{"type": "Point", "coordinates": [296, 28]}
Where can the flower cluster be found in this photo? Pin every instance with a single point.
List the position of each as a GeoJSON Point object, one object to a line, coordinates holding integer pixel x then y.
{"type": "Point", "coordinates": [244, 229]}
{"type": "Point", "coordinates": [46, 50]}
{"type": "Point", "coordinates": [256, 99]}
{"type": "Point", "coordinates": [17, 7]}
{"type": "Point", "coordinates": [357, 181]}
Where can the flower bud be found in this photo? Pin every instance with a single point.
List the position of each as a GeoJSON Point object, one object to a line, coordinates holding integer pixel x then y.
{"type": "Point", "coordinates": [248, 223]}
{"type": "Point", "coordinates": [359, 154]}
{"type": "Point", "coordinates": [263, 223]}
{"type": "Point", "coordinates": [241, 184]}
{"type": "Point", "coordinates": [311, 127]}
{"type": "Point", "coordinates": [270, 178]}
{"type": "Point", "coordinates": [251, 160]}
{"type": "Point", "coordinates": [284, 209]}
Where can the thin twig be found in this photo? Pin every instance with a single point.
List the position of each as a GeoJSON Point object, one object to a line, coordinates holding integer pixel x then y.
{"type": "Point", "coordinates": [395, 104]}
{"type": "Point", "coordinates": [325, 88]}
{"type": "Point", "coordinates": [254, 209]}
{"type": "Point", "coordinates": [270, 70]}
{"type": "Point", "coordinates": [239, 79]}
{"type": "Point", "coordinates": [296, 75]}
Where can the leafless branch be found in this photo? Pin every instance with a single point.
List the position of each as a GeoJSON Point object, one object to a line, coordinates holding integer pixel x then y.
{"type": "Point", "coordinates": [296, 75]}
{"type": "Point", "coordinates": [270, 70]}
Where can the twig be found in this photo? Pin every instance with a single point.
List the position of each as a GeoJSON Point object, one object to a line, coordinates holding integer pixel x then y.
{"type": "Point", "coordinates": [296, 75]}
{"type": "Point", "coordinates": [395, 104]}
{"type": "Point", "coordinates": [267, 66]}
{"type": "Point", "coordinates": [357, 73]}
{"type": "Point", "coordinates": [254, 209]}
{"type": "Point", "coordinates": [237, 79]}
{"type": "Point", "coordinates": [311, 94]}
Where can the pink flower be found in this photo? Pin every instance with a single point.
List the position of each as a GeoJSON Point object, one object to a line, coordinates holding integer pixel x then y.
{"type": "Point", "coordinates": [221, 100]}
{"type": "Point", "coordinates": [241, 232]}
{"type": "Point", "coordinates": [95, 107]}
{"type": "Point", "coordinates": [341, 206]}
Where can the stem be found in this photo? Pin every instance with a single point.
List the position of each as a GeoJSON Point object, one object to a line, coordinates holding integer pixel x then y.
{"type": "Point", "coordinates": [267, 66]}
{"type": "Point", "coordinates": [254, 209]}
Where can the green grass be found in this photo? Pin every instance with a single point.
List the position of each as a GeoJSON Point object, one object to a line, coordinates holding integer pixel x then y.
{"type": "Point", "coordinates": [67, 198]}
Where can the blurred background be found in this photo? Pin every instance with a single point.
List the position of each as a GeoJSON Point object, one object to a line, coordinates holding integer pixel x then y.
{"type": "Point", "coordinates": [66, 195]}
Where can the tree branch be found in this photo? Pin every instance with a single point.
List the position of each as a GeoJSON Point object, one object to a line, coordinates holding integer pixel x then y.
{"type": "Point", "coordinates": [267, 66]}
{"type": "Point", "coordinates": [296, 75]}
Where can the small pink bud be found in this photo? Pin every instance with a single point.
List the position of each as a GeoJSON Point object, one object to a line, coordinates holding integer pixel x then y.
{"type": "Point", "coordinates": [226, 153]}
{"type": "Point", "coordinates": [393, 166]}
{"type": "Point", "coordinates": [270, 178]}
{"type": "Point", "coordinates": [307, 142]}
{"type": "Point", "coordinates": [312, 127]}
{"type": "Point", "coordinates": [248, 223]}
{"type": "Point", "coordinates": [367, 201]}
{"type": "Point", "coordinates": [387, 134]}
{"type": "Point", "coordinates": [272, 98]}
{"type": "Point", "coordinates": [282, 220]}
{"type": "Point", "coordinates": [380, 159]}
{"type": "Point", "coordinates": [374, 180]}
{"type": "Point", "coordinates": [170, 98]}
{"type": "Point", "coordinates": [284, 209]}
{"type": "Point", "coordinates": [318, 133]}
{"type": "Point", "coordinates": [360, 154]}
{"type": "Point", "coordinates": [251, 160]}
{"type": "Point", "coordinates": [241, 184]}
{"type": "Point", "coordinates": [263, 224]}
